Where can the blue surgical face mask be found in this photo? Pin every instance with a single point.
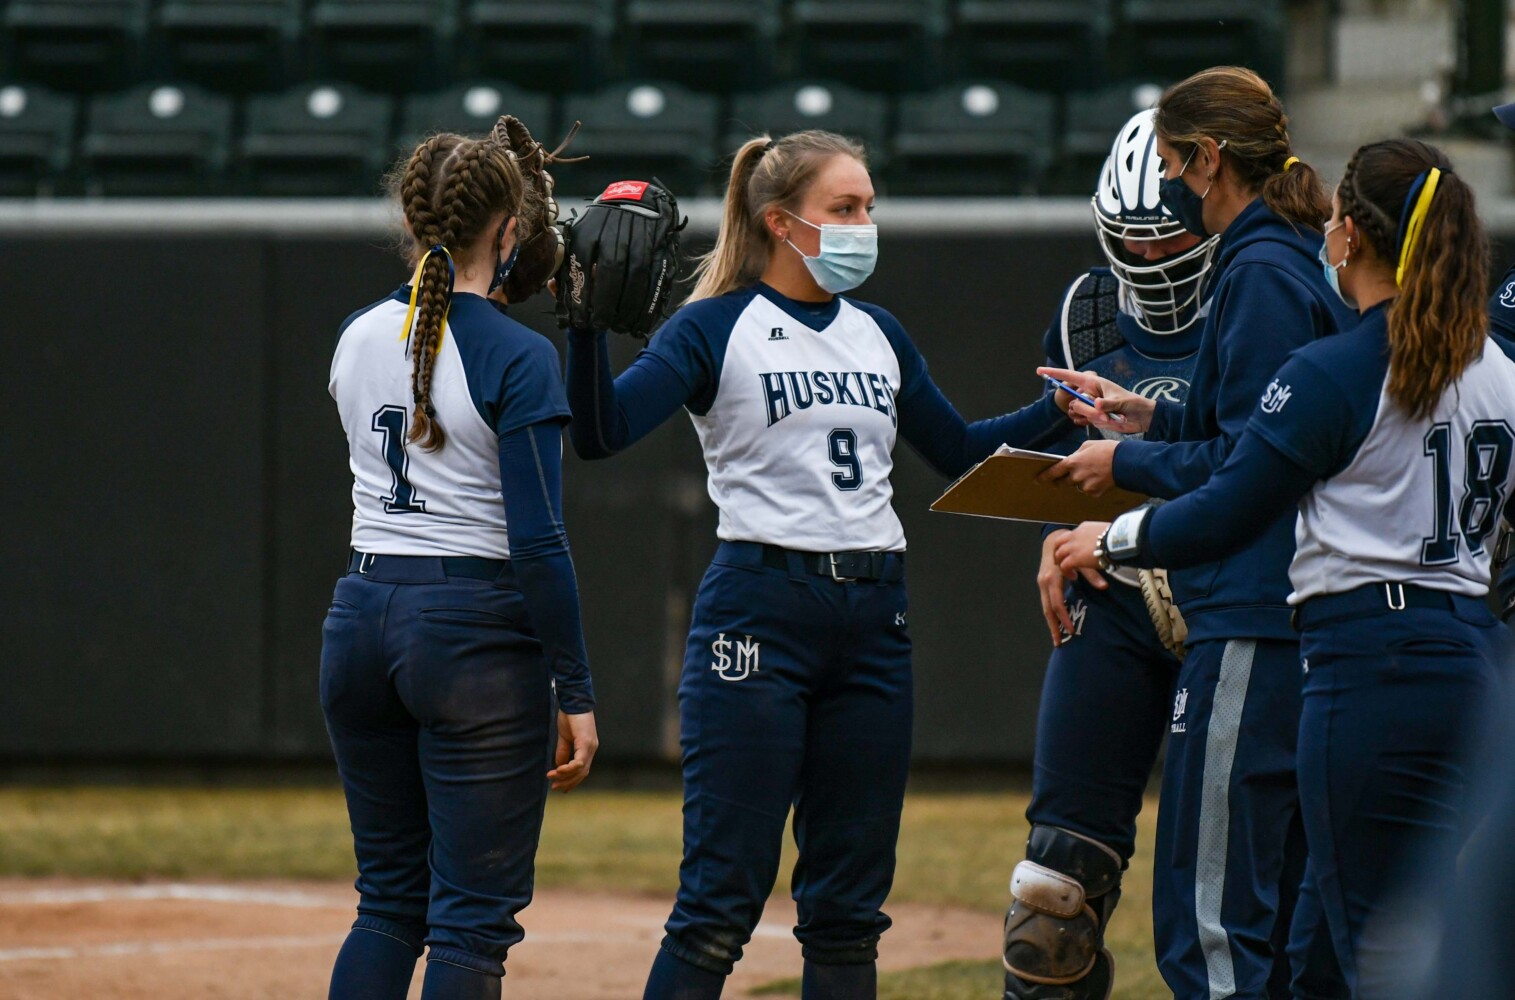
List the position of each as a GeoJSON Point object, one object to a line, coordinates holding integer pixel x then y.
{"type": "Point", "coordinates": [1179, 199]}
{"type": "Point", "coordinates": [846, 258]}
{"type": "Point", "coordinates": [1332, 276]}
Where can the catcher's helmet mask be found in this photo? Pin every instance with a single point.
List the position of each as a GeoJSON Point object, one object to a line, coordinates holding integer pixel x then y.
{"type": "Point", "coordinates": [1161, 295]}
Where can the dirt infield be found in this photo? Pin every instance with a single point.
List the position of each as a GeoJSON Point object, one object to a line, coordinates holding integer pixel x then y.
{"type": "Point", "coordinates": [165, 941]}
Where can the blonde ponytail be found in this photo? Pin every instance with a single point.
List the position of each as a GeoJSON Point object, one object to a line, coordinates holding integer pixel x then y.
{"type": "Point", "coordinates": [764, 173]}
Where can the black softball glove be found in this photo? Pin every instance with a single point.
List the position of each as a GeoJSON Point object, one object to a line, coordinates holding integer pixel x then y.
{"type": "Point", "coordinates": [623, 252]}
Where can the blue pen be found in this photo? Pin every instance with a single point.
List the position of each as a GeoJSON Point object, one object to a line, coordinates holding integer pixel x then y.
{"type": "Point", "coordinates": [1086, 400]}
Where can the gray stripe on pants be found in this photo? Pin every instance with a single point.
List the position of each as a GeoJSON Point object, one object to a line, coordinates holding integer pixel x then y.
{"type": "Point", "coordinates": [1215, 813]}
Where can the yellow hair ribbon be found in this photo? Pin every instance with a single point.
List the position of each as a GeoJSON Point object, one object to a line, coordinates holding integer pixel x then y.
{"type": "Point", "coordinates": [415, 291]}
{"type": "Point", "coordinates": [1417, 220]}
{"type": "Point", "coordinates": [1290, 162]}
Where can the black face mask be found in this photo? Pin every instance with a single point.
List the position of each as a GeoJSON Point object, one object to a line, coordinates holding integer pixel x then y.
{"type": "Point", "coordinates": [1179, 199]}
{"type": "Point", "coordinates": [502, 267]}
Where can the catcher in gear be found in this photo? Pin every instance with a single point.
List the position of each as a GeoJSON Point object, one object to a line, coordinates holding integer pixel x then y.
{"type": "Point", "coordinates": [1108, 695]}
{"type": "Point", "coordinates": [622, 255]}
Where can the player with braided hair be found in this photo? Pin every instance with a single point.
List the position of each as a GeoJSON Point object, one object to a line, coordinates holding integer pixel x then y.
{"type": "Point", "coordinates": [1228, 831]}
{"type": "Point", "coordinates": [1393, 448]}
{"type": "Point", "coordinates": [458, 618]}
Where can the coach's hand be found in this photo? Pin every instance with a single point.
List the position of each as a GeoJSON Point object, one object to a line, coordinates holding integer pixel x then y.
{"type": "Point", "coordinates": [1135, 411]}
{"type": "Point", "coordinates": [1091, 469]}
{"type": "Point", "coordinates": [1049, 580]}
{"type": "Point", "coordinates": [1075, 552]}
{"type": "Point", "coordinates": [577, 743]}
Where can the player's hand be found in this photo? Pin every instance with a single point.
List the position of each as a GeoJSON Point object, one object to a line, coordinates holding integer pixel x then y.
{"type": "Point", "coordinates": [1049, 580]}
{"type": "Point", "coordinates": [1091, 469]}
{"type": "Point", "coordinates": [1135, 411]}
{"type": "Point", "coordinates": [1075, 552]}
{"type": "Point", "coordinates": [577, 743]}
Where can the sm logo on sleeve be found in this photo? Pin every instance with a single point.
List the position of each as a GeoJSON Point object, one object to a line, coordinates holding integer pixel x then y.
{"type": "Point", "coordinates": [1277, 395]}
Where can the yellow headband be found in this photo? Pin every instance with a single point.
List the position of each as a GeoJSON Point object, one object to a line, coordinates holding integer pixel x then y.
{"type": "Point", "coordinates": [415, 289]}
{"type": "Point", "coordinates": [1417, 220]}
{"type": "Point", "coordinates": [1290, 162]}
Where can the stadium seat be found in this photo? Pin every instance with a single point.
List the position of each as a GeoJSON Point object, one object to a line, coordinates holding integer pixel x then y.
{"type": "Point", "coordinates": [890, 45]}
{"type": "Point", "coordinates": [985, 138]}
{"type": "Point", "coordinates": [157, 139]}
{"type": "Point", "coordinates": [811, 104]}
{"type": "Point", "coordinates": [642, 130]}
{"type": "Point", "coordinates": [327, 139]}
{"type": "Point", "coordinates": [1089, 127]}
{"type": "Point", "coordinates": [74, 45]}
{"type": "Point", "coordinates": [393, 46]}
{"type": "Point", "coordinates": [708, 44]}
{"type": "Point", "coordinates": [1174, 38]}
{"type": "Point", "coordinates": [562, 46]}
{"type": "Point", "coordinates": [36, 140]}
{"type": "Point", "coordinates": [473, 109]}
{"type": "Point", "coordinates": [239, 45]}
{"type": "Point", "coordinates": [1042, 44]}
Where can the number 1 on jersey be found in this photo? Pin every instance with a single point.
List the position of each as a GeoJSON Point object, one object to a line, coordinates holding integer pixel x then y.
{"type": "Point", "coordinates": [843, 445]}
{"type": "Point", "coordinates": [390, 422]}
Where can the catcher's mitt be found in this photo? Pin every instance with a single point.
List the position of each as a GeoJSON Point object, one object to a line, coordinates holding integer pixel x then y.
{"type": "Point", "coordinates": [539, 242]}
{"type": "Point", "coordinates": [1166, 618]}
{"type": "Point", "coordinates": [622, 254]}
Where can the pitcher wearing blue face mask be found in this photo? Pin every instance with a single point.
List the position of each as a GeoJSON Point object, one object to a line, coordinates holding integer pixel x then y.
{"type": "Point", "coordinates": [846, 256]}
{"type": "Point", "coordinates": [796, 688]}
{"type": "Point", "coordinates": [1230, 818]}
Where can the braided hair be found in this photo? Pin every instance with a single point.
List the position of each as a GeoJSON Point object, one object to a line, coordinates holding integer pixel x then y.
{"type": "Point", "coordinates": [450, 190]}
{"type": "Point", "coordinates": [1438, 324]}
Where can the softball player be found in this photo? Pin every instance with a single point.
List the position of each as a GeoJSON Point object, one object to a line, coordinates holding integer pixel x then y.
{"type": "Point", "coordinates": [1229, 798]}
{"type": "Point", "coordinates": [459, 611]}
{"type": "Point", "coordinates": [1109, 682]}
{"type": "Point", "coordinates": [1393, 448]}
{"type": "Point", "coordinates": [796, 688]}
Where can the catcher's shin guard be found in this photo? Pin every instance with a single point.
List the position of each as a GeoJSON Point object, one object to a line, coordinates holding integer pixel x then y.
{"type": "Point", "coordinates": [1063, 895]}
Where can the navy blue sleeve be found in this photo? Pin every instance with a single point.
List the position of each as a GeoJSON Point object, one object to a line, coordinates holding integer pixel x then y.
{"type": "Point", "coordinates": [1256, 486]}
{"type": "Point", "coordinates": [1318, 418]}
{"type": "Point", "coordinates": [1506, 590]}
{"type": "Point", "coordinates": [612, 414]}
{"type": "Point", "coordinates": [1502, 306]}
{"type": "Point", "coordinates": [952, 446]}
{"type": "Point", "coordinates": [513, 373]}
{"type": "Point", "coordinates": [1167, 418]}
{"type": "Point", "coordinates": [531, 482]}
{"type": "Point", "coordinates": [937, 432]}
{"type": "Point", "coordinates": [1260, 315]}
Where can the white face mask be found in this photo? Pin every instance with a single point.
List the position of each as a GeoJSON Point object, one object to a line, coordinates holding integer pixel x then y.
{"type": "Point", "coordinates": [847, 255]}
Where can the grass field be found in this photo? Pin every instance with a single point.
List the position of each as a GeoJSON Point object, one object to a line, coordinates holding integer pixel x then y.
{"type": "Point", "coordinates": [955, 849]}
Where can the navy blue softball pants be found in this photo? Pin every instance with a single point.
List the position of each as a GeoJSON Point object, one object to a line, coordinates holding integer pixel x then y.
{"type": "Point", "coordinates": [1104, 709]}
{"type": "Point", "coordinates": [438, 703]}
{"type": "Point", "coordinates": [1392, 704]}
{"type": "Point", "coordinates": [1229, 878]}
{"type": "Point", "coordinates": [796, 692]}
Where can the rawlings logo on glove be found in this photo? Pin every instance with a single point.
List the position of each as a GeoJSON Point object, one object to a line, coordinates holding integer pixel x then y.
{"type": "Point", "coordinates": [622, 254]}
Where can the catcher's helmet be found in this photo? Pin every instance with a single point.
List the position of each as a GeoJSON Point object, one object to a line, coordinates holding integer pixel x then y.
{"type": "Point", "coordinates": [1160, 294]}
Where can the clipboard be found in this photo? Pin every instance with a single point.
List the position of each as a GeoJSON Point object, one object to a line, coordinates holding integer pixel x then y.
{"type": "Point", "coordinates": [1004, 486]}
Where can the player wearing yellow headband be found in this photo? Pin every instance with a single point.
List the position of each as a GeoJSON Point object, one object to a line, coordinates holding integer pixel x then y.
{"type": "Point", "coordinates": [1396, 443]}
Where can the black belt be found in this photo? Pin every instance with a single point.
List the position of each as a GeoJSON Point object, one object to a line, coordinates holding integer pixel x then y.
{"type": "Point", "coordinates": [840, 566]}
{"type": "Point", "coordinates": [400, 569]}
{"type": "Point", "coordinates": [1372, 598]}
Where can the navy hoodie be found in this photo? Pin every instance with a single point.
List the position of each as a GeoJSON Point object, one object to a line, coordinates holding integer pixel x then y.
{"type": "Point", "coordinates": [1268, 297]}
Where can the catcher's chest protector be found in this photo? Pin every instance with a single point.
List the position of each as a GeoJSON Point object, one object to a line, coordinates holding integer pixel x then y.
{"type": "Point", "coordinates": [799, 436]}
{"type": "Point", "coordinates": [1089, 325]}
